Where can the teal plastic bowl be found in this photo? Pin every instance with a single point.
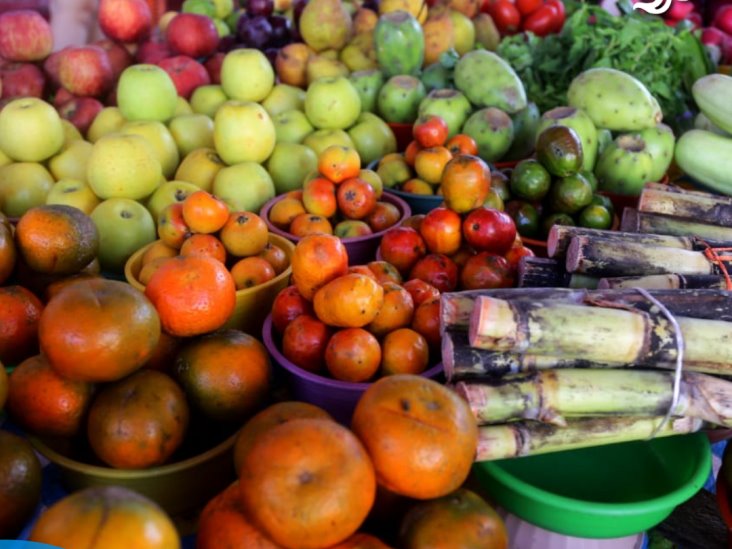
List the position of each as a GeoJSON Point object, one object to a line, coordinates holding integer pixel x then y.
{"type": "Point", "coordinates": [608, 491]}
{"type": "Point", "coordinates": [419, 203]}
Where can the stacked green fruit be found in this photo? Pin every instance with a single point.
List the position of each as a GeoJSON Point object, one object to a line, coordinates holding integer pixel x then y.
{"type": "Point", "coordinates": [554, 188]}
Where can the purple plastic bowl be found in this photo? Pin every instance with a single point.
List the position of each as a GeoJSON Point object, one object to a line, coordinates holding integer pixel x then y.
{"type": "Point", "coordinates": [361, 249]}
{"type": "Point", "coordinates": [338, 398]}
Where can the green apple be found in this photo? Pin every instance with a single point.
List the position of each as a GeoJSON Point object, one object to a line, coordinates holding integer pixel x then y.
{"type": "Point", "coordinates": [161, 140]}
{"type": "Point", "coordinates": [373, 138]}
{"type": "Point", "coordinates": [284, 97]}
{"type": "Point", "coordinates": [289, 164]}
{"type": "Point", "coordinates": [23, 185]}
{"type": "Point", "coordinates": [332, 103]}
{"type": "Point", "coordinates": [244, 187]}
{"type": "Point", "coordinates": [169, 193]}
{"type": "Point", "coordinates": [108, 120]}
{"type": "Point", "coordinates": [30, 130]}
{"type": "Point", "coordinates": [146, 92]}
{"type": "Point", "coordinates": [124, 227]}
{"type": "Point", "coordinates": [200, 168]}
{"type": "Point", "coordinates": [191, 132]}
{"type": "Point", "coordinates": [71, 132]}
{"type": "Point", "coordinates": [319, 140]}
{"type": "Point", "coordinates": [247, 75]}
{"type": "Point", "coordinates": [123, 166]}
{"type": "Point", "coordinates": [73, 192]}
{"type": "Point", "coordinates": [71, 162]}
{"type": "Point", "coordinates": [207, 99]}
{"type": "Point", "coordinates": [291, 126]}
{"type": "Point", "coordinates": [243, 132]}
{"type": "Point", "coordinates": [182, 107]}
{"type": "Point", "coordinates": [222, 29]}
{"type": "Point", "coordinates": [223, 8]}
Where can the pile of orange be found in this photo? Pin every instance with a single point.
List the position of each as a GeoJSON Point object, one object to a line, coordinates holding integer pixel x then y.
{"type": "Point", "coordinates": [340, 199]}
{"type": "Point", "coordinates": [354, 323]}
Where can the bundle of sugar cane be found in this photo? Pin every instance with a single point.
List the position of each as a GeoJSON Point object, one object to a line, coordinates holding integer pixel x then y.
{"type": "Point", "coordinates": [543, 272]}
{"type": "Point", "coordinates": [663, 281]}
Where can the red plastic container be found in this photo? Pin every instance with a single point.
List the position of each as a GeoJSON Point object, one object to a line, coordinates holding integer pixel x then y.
{"type": "Point", "coordinates": [338, 398]}
{"type": "Point", "coordinates": [361, 249]}
{"type": "Point", "coordinates": [723, 503]}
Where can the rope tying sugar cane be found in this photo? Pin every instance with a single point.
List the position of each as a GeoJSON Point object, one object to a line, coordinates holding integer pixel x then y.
{"type": "Point", "coordinates": [712, 254]}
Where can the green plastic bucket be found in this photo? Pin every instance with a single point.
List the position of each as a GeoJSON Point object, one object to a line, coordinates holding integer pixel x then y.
{"type": "Point", "coordinates": [608, 491]}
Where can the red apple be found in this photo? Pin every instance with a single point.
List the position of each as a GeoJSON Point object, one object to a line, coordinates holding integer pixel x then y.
{"type": "Point", "coordinates": [85, 71]}
{"type": "Point", "coordinates": [51, 66]}
{"type": "Point", "coordinates": [723, 19]}
{"type": "Point", "coordinates": [119, 57]}
{"type": "Point", "coordinates": [213, 66]}
{"type": "Point", "coordinates": [402, 247]}
{"type": "Point", "coordinates": [81, 111]}
{"type": "Point", "coordinates": [489, 230]}
{"type": "Point", "coordinates": [22, 80]}
{"type": "Point", "coordinates": [62, 96]}
{"type": "Point", "coordinates": [152, 52]}
{"type": "Point", "coordinates": [187, 73]}
{"type": "Point", "coordinates": [712, 36]}
{"type": "Point", "coordinates": [680, 10]}
{"type": "Point", "coordinates": [126, 21]}
{"type": "Point", "coordinates": [192, 34]}
{"type": "Point", "coordinates": [25, 36]}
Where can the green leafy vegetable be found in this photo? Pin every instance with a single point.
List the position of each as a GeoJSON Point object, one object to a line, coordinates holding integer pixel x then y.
{"type": "Point", "coordinates": [665, 59]}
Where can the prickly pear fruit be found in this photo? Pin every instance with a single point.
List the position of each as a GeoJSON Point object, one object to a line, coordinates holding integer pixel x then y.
{"type": "Point", "coordinates": [614, 100]}
{"type": "Point", "coordinates": [399, 98]}
{"type": "Point", "coordinates": [399, 44]}
{"type": "Point", "coordinates": [368, 83]}
{"type": "Point", "coordinates": [492, 130]}
{"type": "Point", "coordinates": [325, 24]}
{"type": "Point", "coordinates": [604, 138]}
{"type": "Point", "coordinates": [660, 144]}
{"type": "Point", "coordinates": [451, 105]}
{"type": "Point", "coordinates": [486, 32]}
{"type": "Point", "coordinates": [525, 130]}
{"type": "Point", "coordinates": [578, 120]}
{"type": "Point", "coordinates": [624, 166]}
{"type": "Point", "coordinates": [439, 36]}
{"type": "Point", "coordinates": [487, 80]}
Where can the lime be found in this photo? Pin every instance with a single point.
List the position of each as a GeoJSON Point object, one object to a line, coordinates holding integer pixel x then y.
{"type": "Point", "coordinates": [591, 179]}
{"type": "Point", "coordinates": [530, 180]}
{"type": "Point", "coordinates": [559, 150]}
{"type": "Point", "coordinates": [494, 200]}
{"type": "Point", "coordinates": [557, 219]}
{"type": "Point", "coordinates": [602, 200]}
{"type": "Point", "coordinates": [595, 216]}
{"type": "Point", "coordinates": [525, 216]}
{"type": "Point", "coordinates": [570, 194]}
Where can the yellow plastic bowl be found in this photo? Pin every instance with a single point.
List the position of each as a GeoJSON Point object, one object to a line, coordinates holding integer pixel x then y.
{"type": "Point", "coordinates": [252, 304]}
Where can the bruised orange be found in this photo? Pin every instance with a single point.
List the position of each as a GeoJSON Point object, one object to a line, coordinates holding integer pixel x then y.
{"type": "Point", "coordinates": [465, 183]}
{"type": "Point", "coordinates": [356, 198]}
{"type": "Point", "coordinates": [172, 228]}
{"type": "Point", "coordinates": [385, 272]}
{"type": "Point", "coordinates": [383, 216]}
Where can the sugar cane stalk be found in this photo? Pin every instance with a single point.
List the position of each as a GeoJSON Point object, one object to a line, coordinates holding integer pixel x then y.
{"type": "Point", "coordinates": [704, 208]}
{"type": "Point", "coordinates": [523, 438]}
{"type": "Point", "coordinates": [555, 396]}
{"type": "Point", "coordinates": [639, 222]}
{"type": "Point", "coordinates": [663, 281]}
{"type": "Point", "coordinates": [542, 272]}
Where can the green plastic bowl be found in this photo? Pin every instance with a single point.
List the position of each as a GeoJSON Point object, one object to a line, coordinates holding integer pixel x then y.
{"type": "Point", "coordinates": [608, 491]}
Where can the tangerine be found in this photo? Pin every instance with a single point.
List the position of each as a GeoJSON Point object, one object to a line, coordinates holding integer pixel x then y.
{"type": "Point", "coordinates": [204, 213]}
{"type": "Point", "coordinates": [307, 224]}
{"type": "Point", "coordinates": [317, 260]}
{"type": "Point", "coordinates": [396, 311]}
{"type": "Point", "coordinates": [319, 197]}
{"type": "Point", "coordinates": [404, 351]}
{"type": "Point", "coordinates": [20, 313]}
{"type": "Point", "coordinates": [284, 211]}
{"type": "Point", "coordinates": [383, 216]}
{"type": "Point", "coordinates": [465, 183]}
{"type": "Point", "coordinates": [204, 244]}
{"type": "Point", "coordinates": [172, 228]}
{"type": "Point", "coordinates": [275, 256]}
{"type": "Point", "coordinates": [244, 234]}
{"type": "Point", "coordinates": [251, 271]}
{"type": "Point", "coordinates": [349, 301]}
{"type": "Point", "coordinates": [353, 354]}
{"type": "Point", "coordinates": [429, 163]}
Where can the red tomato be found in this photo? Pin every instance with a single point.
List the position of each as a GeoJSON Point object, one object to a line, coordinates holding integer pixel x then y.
{"type": "Point", "coordinates": [543, 21]}
{"type": "Point", "coordinates": [506, 16]}
{"type": "Point", "coordinates": [430, 131]}
{"type": "Point", "coordinates": [489, 230]}
{"type": "Point", "coordinates": [561, 14]}
{"type": "Point", "coordinates": [527, 7]}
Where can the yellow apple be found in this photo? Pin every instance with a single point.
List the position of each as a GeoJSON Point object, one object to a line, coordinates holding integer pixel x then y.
{"type": "Point", "coordinates": [284, 97]}
{"type": "Point", "coordinates": [123, 166]}
{"type": "Point", "coordinates": [247, 75]}
{"type": "Point", "coordinates": [291, 126]}
{"type": "Point", "coordinates": [207, 99]}
{"type": "Point", "coordinates": [191, 132]}
{"type": "Point", "coordinates": [289, 164]}
{"type": "Point", "coordinates": [71, 132]}
{"type": "Point", "coordinates": [319, 140]}
{"type": "Point", "coordinates": [30, 130]}
{"type": "Point", "coordinates": [72, 192]}
{"type": "Point", "coordinates": [200, 168]}
{"type": "Point", "coordinates": [169, 193]}
{"type": "Point", "coordinates": [72, 161]}
{"type": "Point", "coordinates": [23, 185]}
{"type": "Point", "coordinates": [244, 187]}
{"type": "Point", "coordinates": [108, 120]}
{"type": "Point", "coordinates": [146, 92]}
{"type": "Point", "coordinates": [243, 132]}
{"type": "Point", "coordinates": [161, 140]}
{"type": "Point", "coordinates": [182, 107]}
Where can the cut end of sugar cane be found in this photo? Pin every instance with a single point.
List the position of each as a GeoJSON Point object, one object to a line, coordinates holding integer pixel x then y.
{"type": "Point", "coordinates": [493, 324]}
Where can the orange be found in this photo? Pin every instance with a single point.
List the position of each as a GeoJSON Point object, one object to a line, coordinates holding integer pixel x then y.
{"type": "Point", "coordinates": [339, 163]}
{"type": "Point", "coordinates": [251, 271]}
{"type": "Point", "coordinates": [307, 483]}
{"type": "Point", "coordinates": [465, 183]}
{"type": "Point", "coordinates": [106, 517]}
{"type": "Point", "coordinates": [319, 197]}
{"type": "Point", "coordinates": [275, 256]}
{"type": "Point", "coordinates": [353, 354]}
{"type": "Point", "coordinates": [20, 313]}
{"type": "Point", "coordinates": [284, 211]}
{"type": "Point", "coordinates": [244, 234]}
{"type": "Point", "coordinates": [45, 403]}
{"type": "Point", "coordinates": [304, 341]}
{"type": "Point", "coordinates": [362, 270]}
{"type": "Point", "coordinates": [421, 436]}
{"type": "Point", "coordinates": [224, 524]}
{"type": "Point", "coordinates": [273, 415]}
{"type": "Point", "coordinates": [307, 224]}
{"type": "Point", "coordinates": [139, 421]}
{"type": "Point", "coordinates": [429, 163]}
{"type": "Point", "coordinates": [349, 301]}
{"type": "Point", "coordinates": [459, 519]}
{"type": "Point", "coordinates": [20, 483]}
{"type": "Point", "coordinates": [204, 213]}
{"type": "Point", "coordinates": [404, 351]}
{"type": "Point", "coordinates": [225, 375]}
{"type": "Point", "coordinates": [395, 312]}
{"type": "Point", "coordinates": [192, 294]}
{"type": "Point", "coordinates": [204, 244]}
{"type": "Point", "coordinates": [98, 330]}
{"type": "Point", "coordinates": [317, 260]}
{"type": "Point", "coordinates": [8, 253]}
{"type": "Point", "coordinates": [356, 198]}
{"type": "Point", "coordinates": [56, 239]}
